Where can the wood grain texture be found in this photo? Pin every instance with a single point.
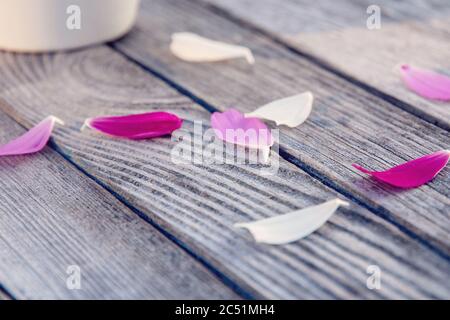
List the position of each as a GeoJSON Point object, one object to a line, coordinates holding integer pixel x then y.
{"type": "Point", "coordinates": [52, 217]}
{"type": "Point", "coordinates": [199, 204]}
{"type": "Point", "coordinates": [415, 32]}
{"type": "Point", "coordinates": [347, 125]}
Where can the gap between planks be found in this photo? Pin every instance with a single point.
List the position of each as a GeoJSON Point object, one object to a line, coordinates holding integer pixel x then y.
{"type": "Point", "coordinates": [5, 294]}
{"type": "Point", "coordinates": [173, 16]}
{"type": "Point", "coordinates": [186, 248]}
{"type": "Point", "coordinates": [223, 277]}
{"type": "Point", "coordinates": [382, 213]}
{"type": "Point", "coordinates": [328, 264]}
{"type": "Point", "coordinates": [323, 64]}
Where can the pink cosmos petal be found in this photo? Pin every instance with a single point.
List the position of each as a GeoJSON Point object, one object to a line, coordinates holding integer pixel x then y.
{"type": "Point", "coordinates": [233, 127]}
{"type": "Point", "coordinates": [413, 173]}
{"type": "Point", "coordinates": [137, 126]}
{"type": "Point", "coordinates": [426, 83]}
{"type": "Point", "coordinates": [32, 141]}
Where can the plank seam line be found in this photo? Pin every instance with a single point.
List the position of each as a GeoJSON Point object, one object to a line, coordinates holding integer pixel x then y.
{"type": "Point", "coordinates": [221, 276]}
{"type": "Point", "coordinates": [380, 212]}
{"type": "Point", "coordinates": [227, 281]}
{"type": "Point", "coordinates": [325, 65]}
{"type": "Point", "coordinates": [6, 292]}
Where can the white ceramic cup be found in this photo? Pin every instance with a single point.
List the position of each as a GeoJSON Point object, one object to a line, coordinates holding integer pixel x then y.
{"type": "Point", "coordinates": [42, 25]}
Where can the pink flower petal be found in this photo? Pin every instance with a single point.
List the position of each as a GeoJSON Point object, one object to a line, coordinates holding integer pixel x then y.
{"type": "Point", "coordinates": [32, 141]}
{"type": "Point", "coordinates": [426, 83]}
{"type": "Point", "coordinates": [413, 173]}
{"type": "Point", "coordinates": [233, 127]}
{"type": "Point", "coordinates": [137, 126]}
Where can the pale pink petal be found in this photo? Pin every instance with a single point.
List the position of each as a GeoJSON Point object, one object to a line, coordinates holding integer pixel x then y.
{"type": "Point", "coordinates": [426, 83]}
{"type": "Point", "coordinates": [136, 126]}
{"type": "Point", "coordinates": [413, 173]}
{"type": "Point", "coordinates": [32, 141]}
{"type": "Point", "coordinates": [233, 127]}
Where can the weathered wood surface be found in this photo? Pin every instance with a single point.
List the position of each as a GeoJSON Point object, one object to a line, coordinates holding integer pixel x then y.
{"type": "Point", "coordinates": [415, 32]}
{"type": "Point", "coordinates": [347, 125]}
{"type": "Point", "coordinates": [198, 204]}
{"type": "Point", "coordinates": [52, 216]}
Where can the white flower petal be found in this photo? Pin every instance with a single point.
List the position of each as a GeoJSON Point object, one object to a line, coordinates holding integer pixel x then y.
{"type": "Point", "coordinates": [292, 226]}
{"type": "Point", "coordinates": [194, 48]}
{"type": "Point", "coordinates": [291, 111]}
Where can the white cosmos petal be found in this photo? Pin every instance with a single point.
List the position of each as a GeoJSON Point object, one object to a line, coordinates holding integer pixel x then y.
{"type": "Point", "coordinates": [291, 111]}
{"type": "Point", "coordinates": [292, 226]}
{"type": "Point", "coordinates": [194, 48]}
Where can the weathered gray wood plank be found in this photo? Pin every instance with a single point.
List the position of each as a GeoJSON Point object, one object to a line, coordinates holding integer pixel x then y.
{"type": "Point", "coordinates": [199, 203]}
{"type": "Point", "coordinates": [52, 216]}
{"type": "Point", "coordinates": [415, 32]}
{"type": "Point", "coordinates": [347, 124]}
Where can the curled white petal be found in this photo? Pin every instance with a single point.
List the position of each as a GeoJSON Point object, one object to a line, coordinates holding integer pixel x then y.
{"type": "Point", "coordinates": [291, 111]}
{"type": "Point", "coordinates": [194, 48]}
{"type": "Point", "coordinates": [292, 226]}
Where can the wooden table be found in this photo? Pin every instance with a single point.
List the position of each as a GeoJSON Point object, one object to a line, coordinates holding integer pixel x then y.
{"type": "Point", "coordinates": [139, 226]}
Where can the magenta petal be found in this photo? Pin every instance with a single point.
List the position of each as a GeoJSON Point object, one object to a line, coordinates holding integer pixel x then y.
{"type": "Point", "coordinates": [32, 141]}
{"type": "Point", "coordinates": [413, 173]}
{"type": "Point", "coordinates": [233, 127]}
{"type": "Point", "coordinates": [137, 126]}
{"type": "Point", "coordinates": [426, 83]}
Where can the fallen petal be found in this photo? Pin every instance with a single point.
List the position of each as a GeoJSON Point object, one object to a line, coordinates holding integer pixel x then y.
{"type": "Point", "coordinates": [231, 126]}
{"type": "Point", "coordinates": [291, 111]}
{"type": "Point", "coordinates": [413, 173]}
{"type": "Point", "coordinates": [426, 83]}
{"type": "Point", "coordinates": [32, 141]}
{"type": "Point", "coordinates": [292, 226]}
{"type": "Point", "coordinates": [136, 126]}
{"type": "Point", "coordinates": [194, 48]}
